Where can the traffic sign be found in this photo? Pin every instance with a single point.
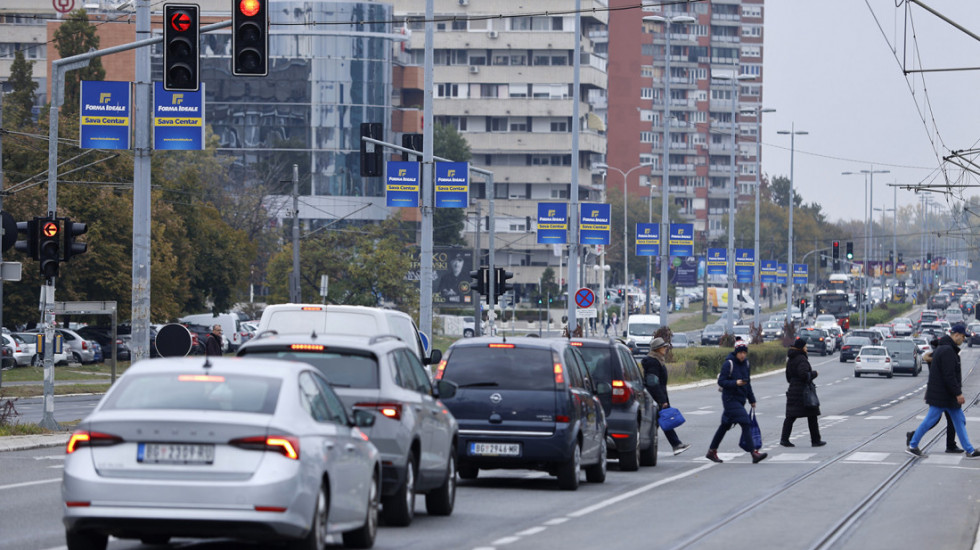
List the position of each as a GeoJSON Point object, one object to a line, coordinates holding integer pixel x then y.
{"type": "Point", "coordinates": [587, 313]}
{"type": "Point", "coordinates": [584, 298]}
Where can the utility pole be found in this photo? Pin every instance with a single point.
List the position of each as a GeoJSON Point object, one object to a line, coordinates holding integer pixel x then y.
{"type": "Point", "coordinates": [477, 261]}
{"type": "Point", "coordinates": [294, 280]}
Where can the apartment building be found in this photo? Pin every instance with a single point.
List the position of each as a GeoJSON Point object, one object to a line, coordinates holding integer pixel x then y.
{"type": "Point", "coordinates": [503, 77]}
{"type": "Point", "coordinates": [725, 37]}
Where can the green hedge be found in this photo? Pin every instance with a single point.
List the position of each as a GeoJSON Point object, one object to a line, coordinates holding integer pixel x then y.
{"type": "Point", "coordinates": [881, 314]}
{"type": "Point", "coordinates": [705, 362]}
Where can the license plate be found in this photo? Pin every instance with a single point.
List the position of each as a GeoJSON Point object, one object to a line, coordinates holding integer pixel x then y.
{"type": "Point", "coordinates": [495, 449]}
{"type": "Point", "coordinates": [175, 453]}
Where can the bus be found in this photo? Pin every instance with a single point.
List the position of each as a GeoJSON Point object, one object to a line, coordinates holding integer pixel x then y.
{"type": "Point", "coordinates": [832, 302]}
{"type": "Point", "coordinates": [840, 281]}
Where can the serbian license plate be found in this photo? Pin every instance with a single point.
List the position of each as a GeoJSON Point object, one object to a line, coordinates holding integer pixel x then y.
{"type": "Point", "coordinates": [175, 453]}
{"type": "Point", "coordinates": [495, 449]}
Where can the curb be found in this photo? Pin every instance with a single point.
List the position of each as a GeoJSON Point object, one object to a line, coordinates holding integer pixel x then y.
{"type": "Point", "coordinates": [24, 442]}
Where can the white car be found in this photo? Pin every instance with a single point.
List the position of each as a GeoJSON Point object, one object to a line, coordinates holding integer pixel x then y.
{"type": "Point", "coordinates": [23, 351]}
{"type": "Point", "coordinates": [873, 360]}
{"type": "Point", "coordinates": [824, 321]}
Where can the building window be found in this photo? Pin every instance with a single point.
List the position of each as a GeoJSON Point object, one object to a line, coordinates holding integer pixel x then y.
{"type": "Point", "coordinates": [646, 137]}
{"type": "Point", "coordinates": [646, 93]}
{"type": "Point", "coordinates": [447, 90]}
{"type": "Point", "coordinates": [559, 126]}
{"type": "Point", "coordinates": [496, 124]}
{"type": "Point", "coordinates": [751, 11]}
{"type": "Point", "coordinates": [518, 126]}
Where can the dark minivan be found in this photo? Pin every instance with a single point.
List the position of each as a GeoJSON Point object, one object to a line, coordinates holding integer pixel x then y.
{"type": "Point", "coordinates": [525, 403]}
{"type": "Point", "coordinates": [631, 412]}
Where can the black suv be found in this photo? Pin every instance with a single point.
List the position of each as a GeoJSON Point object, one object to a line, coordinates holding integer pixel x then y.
{"type": "Point", "coordinates": [818, 339]}
{"type": "Point", "coordinates": [631, 412]}
{"type": "Point", "coordinates": [525, 403]}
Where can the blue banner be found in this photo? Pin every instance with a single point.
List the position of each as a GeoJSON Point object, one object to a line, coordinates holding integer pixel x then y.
{"type": "Point", "coordinates": [717, 261]}
{"type": "Point", "coordinates": [105, 110]}
{"type": "Point", "coordinates": [178, 119]}
{"type": "Point", "coordinates": [686, 274]}
{"type": "Point", "coordinates": [594, 224]}
{"type": "Point", "coordinates": [681, 239]}
{"type": "Point", "coordinates": [800, 274]}
{"type": "Point", "coordinates": [402, 184]}
{"type": "Point", "coordinates": [452, 185]}
{"type": "Point", "coordinates": [647, 239]}
{"type": "Point", "coordinates": [552, 223]}
{"type": "Point", "coordinates": [767, 272]}
{"type": "Point", "coordinates": [781, 274]}
{"type": "Point", "coordinates": [744, 265]}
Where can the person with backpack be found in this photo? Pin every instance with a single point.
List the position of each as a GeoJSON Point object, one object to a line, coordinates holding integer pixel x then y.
{"type": "Point", "coordinates": [653, 364]}
{"type": "Point", "coordinates": [736, 389]}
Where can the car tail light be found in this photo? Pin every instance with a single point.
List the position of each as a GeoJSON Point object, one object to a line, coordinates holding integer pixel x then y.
{"type": "Point", "coordinates": [621, 392]}
{"type": "Point", "coordinates": [857, 359]}
{"type": "Point", "coordinates": [559, 374]}
{"type": "Point", "coordinates": [85, 438]}
{"type": "Point", "coordinates": [888, 359]}
{"type": "Point", "coordinates": [562, 418]}
{"type": "Point", "coordinates": [501, 346]}
{"type": "Point", "coordinates": [311, 308]}
{"type": "Point", "coordinates": [307, 347]}
{"type": "Point", "coordinates": [387, 410]}
{"type": "Point", "coordinates": [576, 344]}
{"type": "Point", "coordinates": [84, 345]}
{"type": "Point", "coordinates": [286, 445]}
{"type": "Point", "coordinates": [441, 369]}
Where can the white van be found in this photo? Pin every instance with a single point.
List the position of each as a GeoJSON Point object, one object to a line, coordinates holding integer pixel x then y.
{"type": "Point", "coordinates": [717, 298]}
{"type": "Point", "coordinates": [230, 326]}
{"type": "Point", "coordinates": [640, 329]}
{"type": "Point", "coordinates": [338, 319]}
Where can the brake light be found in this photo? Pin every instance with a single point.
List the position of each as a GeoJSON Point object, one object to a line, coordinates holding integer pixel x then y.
{"type": "Point", "coordinates": [200, 378]}
{"type": "Point", "coordinates": [503, 346]}
{"type": "Point", "coordinates": [562, 418]}
{"type": "Point", "coordinates": [307, 347]}
{"type": "Point", "coordinates": [845, 347]}
{"type": "Point", "coordinates": [311, 308]}
{"type": "Point", "coordinates": [441, 369]}
{"type": "Point", "coordinates": [286, 445]}
{"type": "Point", "coordinates": [621, 392]}
{"type": "Point", "coordinates": [85, 438]}
{"type": "Point", "coordinates": [857, 359]}
{"type": "Point", "coordinates": [888, 359]}
{"type": "Point", "coordinates": [84, 344]}
{"type": "Point", "coordinates": [559, 374]}
{"type": "Point", "coordinates": [576, 344]}
{"type": "Point", "coordinates": [388, 410]}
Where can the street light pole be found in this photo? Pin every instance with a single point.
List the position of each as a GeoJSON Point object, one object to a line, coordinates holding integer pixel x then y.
{"type": "Point", "coordinates": [665, 183]}
{"type": "Point", "coordinates": [789, 255]}
{"type": "Point", "coordinates": [734, 77]}
{"type": "Point", "coordinates": [757, 276]}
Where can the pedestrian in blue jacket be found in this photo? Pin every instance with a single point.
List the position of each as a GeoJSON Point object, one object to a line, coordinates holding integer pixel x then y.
{"type": "Point", "coordinates": [736, 389]}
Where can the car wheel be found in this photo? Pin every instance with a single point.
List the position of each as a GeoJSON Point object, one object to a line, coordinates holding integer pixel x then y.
{"type": "Point", "coordinates": [648, 456]}
{"type": "Point", "coordinates": [630, 461]}
{"type": "Point", "coordinates": [842, 360]}
{"type": "Point", "coordinates": [468, 333]}
{"type": "Point", "coordinates": [571, 470]}
{"type": "Point", "coordinates": [597, 472]}
{"type": "Point", "coordinates": [467, 471]}
{"type": "Point", "coordinates": [440, 501]}
{"type": "Point", "coordinates": [399, 508]}
{"type": "Point", "coordinates": [363, 536]}
{"type": "Point", "coordinates": [857, 374]}
{"type": "Point", "coordinates": [317, 536]}
{"type": "Point", "coordinates": [76, 357]}
{"type": "Point", "coordinates": [84, 540]}
{"type": "Point", "coordinates": [889, 375]}
{"type": "Point", "coordinates": [916, 372]}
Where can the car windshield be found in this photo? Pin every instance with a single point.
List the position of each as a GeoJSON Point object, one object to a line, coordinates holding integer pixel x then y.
{"type": "Point", "coordinates": [857, 341]}
{"type": "Point", "coordinates": [826, 319]}
{"type": "Point", "coordinates": [772, 324]}
{"type": "Point", "coordinates": [678, 339]}
{"type": "Point", "coordinates": [643, 329]}
{"type": "Point", "coordinates": [714, 329]}
{"type": "Point", "coordinates": [340, 368]}
{"type": "Point", "coordinates": [195, 391]}
{"type": "Point", "coordinates": [508, 368]}
{"type": "Point", "coordinates": [872, 351]}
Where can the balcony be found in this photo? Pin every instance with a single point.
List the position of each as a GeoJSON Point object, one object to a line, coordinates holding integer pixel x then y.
{"type": "Point", "coordinates": [532, 142]}
{"type": "Point", "coordinates": [589, 76]}
{"type": "Point", "coordinates": [517, 107]}
{"type": "Point", "coordinates": [408, 76]}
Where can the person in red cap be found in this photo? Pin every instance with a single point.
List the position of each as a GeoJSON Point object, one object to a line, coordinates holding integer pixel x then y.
{"type": "Point", "coordinates": [736, 389]}
{"type": "Point", "coordinates": [799, 374]}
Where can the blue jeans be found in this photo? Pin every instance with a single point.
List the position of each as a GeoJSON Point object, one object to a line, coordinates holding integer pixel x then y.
{"type": "Point", "coordinates": [932, 417]}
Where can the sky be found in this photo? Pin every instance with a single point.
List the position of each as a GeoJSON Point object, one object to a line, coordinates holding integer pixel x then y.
{"type": "Point", "coordinates": [830, 71]}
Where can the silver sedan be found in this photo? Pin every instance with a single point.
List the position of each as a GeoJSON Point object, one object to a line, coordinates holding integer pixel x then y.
{"type": "Point", "coordinates": [252, 449]}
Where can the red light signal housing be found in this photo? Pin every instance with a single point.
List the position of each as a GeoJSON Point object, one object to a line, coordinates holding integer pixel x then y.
{"type": "Point", "coordinates": [249, 7]}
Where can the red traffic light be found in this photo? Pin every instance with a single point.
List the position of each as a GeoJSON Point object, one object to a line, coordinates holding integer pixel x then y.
{"type": "Point", "coordinates": [249, 7]}
{"type": "Point", "coordinates": [180, 21]}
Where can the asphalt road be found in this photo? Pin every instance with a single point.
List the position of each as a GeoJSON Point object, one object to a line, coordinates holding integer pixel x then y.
{"type": "Point", "coordinates": [794, 499]}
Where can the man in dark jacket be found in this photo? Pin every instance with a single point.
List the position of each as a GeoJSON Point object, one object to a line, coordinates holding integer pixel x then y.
{"type": "Point", "coordinates": [212, 345]}
{"type": "Point", "coordinates": [736, 388]}
{"type": "Point", "coordinates": [951, 447]}
{"type": "Point", "coordinates": [799, 374]}
{"type": "Point", "coordinates": [653, 364]}
{"type": "Point", "coordinates": [944, 392]}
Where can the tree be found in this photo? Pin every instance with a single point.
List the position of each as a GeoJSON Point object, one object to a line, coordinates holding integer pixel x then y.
{"type": "Point", "coordinates": [448, 222]}
{"type": "Point", "coordinates": [19, 102]}
{"type": "Point", "coordinates": [75, 36]}
{"type": "Point", "coordinates": [779, 193]}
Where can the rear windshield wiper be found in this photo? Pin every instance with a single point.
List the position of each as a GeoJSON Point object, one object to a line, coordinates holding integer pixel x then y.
{"type": "Point", "coordinates": [479, 384]}
{"type": "Point", "coordinates": [339, 385]}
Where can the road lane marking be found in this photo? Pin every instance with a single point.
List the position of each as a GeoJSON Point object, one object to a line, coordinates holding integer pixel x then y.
{"type": "Point", "coordinates": [863, 456]}
{"type": "Point", "coordinates": [531, 531]}
{"type": "Point", "coordinates": [640, 490]}
{"type": "Point", "coordinates": [791, 457]}
{"type": "Point", "coordinates": [556, 521]}
{"type": "Point", "coordinates": [505, 540]}
{"type": "Point", "coordinates": [30, 483]}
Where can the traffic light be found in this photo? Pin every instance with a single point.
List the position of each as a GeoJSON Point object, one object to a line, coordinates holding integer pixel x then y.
{"type": "Point", "coordinates": [823, 261]}
{"type": "Point", "coordinates": [500, 281]}
{"type": "Point", "coordinates": [72, 230]}
{"type": "Point", "coordinates": [181, 53]}
{"type": "Point", "coordinates": [29, 231]}
{"type": "Point", "coordinates": [836, 250]}
{"type": "Point", "coordinates": [900, 258]}
{"type": "Point", "coordinates": [481, 279]}
{"type": "Point", "coordinates": [413, 142]}
{"type": "Point", "coordinates": [371, 156]}
{"type": "Point", "coordinates": [48, 246]}
{"type": "Point", "coordinates": [850, 250]}
{"type": "Point", "coordinates": [803, 305]}
{"type": "Point", "coordinates": [250, 38]}
{"type": "Point", "coordinates": [928, 260]}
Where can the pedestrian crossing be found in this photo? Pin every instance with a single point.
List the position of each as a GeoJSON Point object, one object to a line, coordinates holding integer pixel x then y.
{"type": "Point", "coordinates": [893, 458]}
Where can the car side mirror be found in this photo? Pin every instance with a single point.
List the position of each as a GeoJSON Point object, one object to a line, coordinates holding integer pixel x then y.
{"type": "Point", "coordinates": [433, 358]}
{"type": "Point", "coordinates": [444, 389]}
{"type": "Point", "coordinates": [602, 388]}
{"type": "Point", "coordinates": [362, 419]}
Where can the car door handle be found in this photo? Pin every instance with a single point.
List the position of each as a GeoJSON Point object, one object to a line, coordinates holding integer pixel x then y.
{"type": "Point", "coordinates": [418, 408]}
{"type": "Point", "coordinates": [328, 445]}
{"type": "Point", "coordinates": [350, 447]}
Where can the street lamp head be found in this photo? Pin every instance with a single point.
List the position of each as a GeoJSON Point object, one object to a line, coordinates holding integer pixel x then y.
{"type": "Point", "coordinates": [675, 19]}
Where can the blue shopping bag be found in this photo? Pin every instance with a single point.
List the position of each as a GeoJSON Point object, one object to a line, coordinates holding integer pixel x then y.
{"type": "Point", "coordinates": [670, 418]}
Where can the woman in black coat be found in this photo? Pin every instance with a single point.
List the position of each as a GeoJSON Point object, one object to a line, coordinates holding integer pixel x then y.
{"type": "Point", "coordinates": [799, 374]}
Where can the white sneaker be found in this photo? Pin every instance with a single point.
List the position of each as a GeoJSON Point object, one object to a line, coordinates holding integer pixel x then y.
{"type": "Point", "coordinates": [681, 448]}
